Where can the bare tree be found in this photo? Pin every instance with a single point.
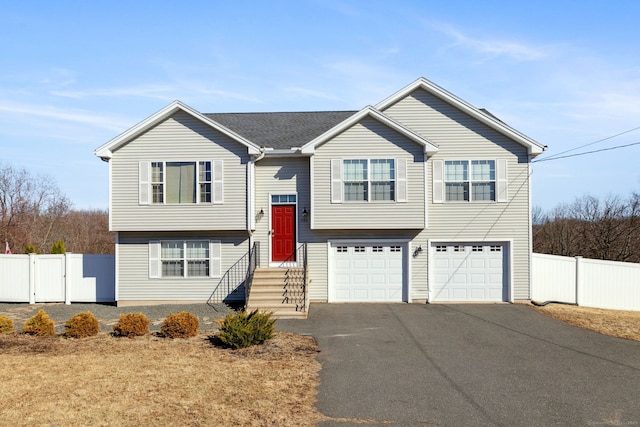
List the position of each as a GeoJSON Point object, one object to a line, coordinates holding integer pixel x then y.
{"type": "Point", "coordinates": [87, 231]}
{"type": "Point", "coordinates": [30, 209]}
{"type": "Point", "coordinates": [606, 228]}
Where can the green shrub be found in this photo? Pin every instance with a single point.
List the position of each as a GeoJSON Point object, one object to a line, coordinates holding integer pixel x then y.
{"type": "Point", "coordinates": [40, 325]}
{"type": "Point", "coordinates": [58, 247]}
{"type": "Point", "coordinates": [240, 330]}
{"type": "Point", "coordinates": [131, 325]}
{"type": "Point", "coordinates": [6, 325]}
{"type": "Point", "coordinates": [30, 249]}
{"type": "Point", "coordinates": [82, 325]}
{"type": "Point", "coordinates": [180, 325]}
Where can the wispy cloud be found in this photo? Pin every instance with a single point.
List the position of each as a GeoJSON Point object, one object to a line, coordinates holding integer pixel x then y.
{"type": "Point", "coordinates": [60, 114]}
{"type": "Point", "coordinates": [311, 93]}
{"type": "Point", "coordinates": [162, 92]}
{"type": "Point", "coordinates": [188, 90]}
{"type": "Point", "coordinates": [490, 48]}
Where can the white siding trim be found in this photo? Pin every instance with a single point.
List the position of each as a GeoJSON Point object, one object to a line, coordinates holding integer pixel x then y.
{"type": "Point", "coordinates": [144, 182]}
{"type": "Point", "coordinates": [111, 209]}
{"type": "Point", "coordinates": [251, 196]}
{"type": "Point", "coordinates": [501, 181]}
{"type": "Point", "coordinates": [117, 267]}
{"type": "Point", "coordinates": [215, 258]}
{"type": "Point", "coordinates": [155, 264]}
{"type": "Point", "coordinates": [438, 181]}
{"type": "Point", "coordinates": [218, 189]}
{"type": "Point", "coordinates": [426, 192]}
{"type": "Point", "coordinates": [312, 198]}
{"type": "Point", "coordinates": [401, 180]}
{"type": "Point", "coordinates": [336, 181]}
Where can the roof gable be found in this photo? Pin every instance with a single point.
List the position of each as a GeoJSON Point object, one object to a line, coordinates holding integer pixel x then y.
{"type": "Point", "coordinates": [534, 148]}
{"type": "Point", "coordinates": [105, 151]}
{"type": "Point", "coordinates": [428, 147]}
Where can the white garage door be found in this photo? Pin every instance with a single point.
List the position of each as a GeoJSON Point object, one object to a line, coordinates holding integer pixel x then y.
{"type": "Point", "coordinates": [469, 272]}
{"type": "Point", "coordinates": [366, 272]}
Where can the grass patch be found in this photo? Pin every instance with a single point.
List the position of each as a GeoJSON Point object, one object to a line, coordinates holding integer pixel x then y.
{"type": "Point", "coordinates": [105, 381]}
{"type": "Point", "coordinates": [616, 323]}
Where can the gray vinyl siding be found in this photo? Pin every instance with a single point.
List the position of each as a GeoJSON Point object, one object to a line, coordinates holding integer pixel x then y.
{"type": "Point", "coordinates": [134, 283]}
{"type": "Point", "coordinates": [179, 138]}
{"type": "Point", "coordinates": [277, 176]}
{"type": "Point", "coordinates": [368, 139]}
{"type": "Point", "coordinates": [461, 137]}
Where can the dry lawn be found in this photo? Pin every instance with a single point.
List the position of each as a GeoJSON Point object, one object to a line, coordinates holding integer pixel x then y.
{"type": "Point", "coordinates": [617, 323]}
{"type": "Point", "coordinates": [106, 381]}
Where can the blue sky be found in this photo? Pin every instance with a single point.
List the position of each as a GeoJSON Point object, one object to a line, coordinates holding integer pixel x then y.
{"type": "Point", "coordinates": [75, 74]}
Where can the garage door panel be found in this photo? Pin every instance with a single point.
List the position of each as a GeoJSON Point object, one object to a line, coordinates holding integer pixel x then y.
{"type": "Point", "coordinates": [469, 272]}
{"type": "Point", "coordinates": [366, 272]}
{"type": "Point", "coordinates": [478, 263]}
{"type": "Point", "coordinates": [459, 278]}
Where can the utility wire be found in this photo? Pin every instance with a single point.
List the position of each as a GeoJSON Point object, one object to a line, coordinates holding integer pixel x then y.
{"type": "Point", "coordinates": [557, 156]}
{"type": "Point", "coordinates": [554, 156]}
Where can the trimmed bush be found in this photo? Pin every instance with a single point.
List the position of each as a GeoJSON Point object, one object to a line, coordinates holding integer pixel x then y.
{"type": "Point", "coordinates": [131, 325]}
{"type": "Point", "coordinates": [40, 325]}
{"type": "Point", "coordinates": [6, 325]}
{"type": "Point", "coordinates": [240, 330]}
{"type": "Point", "coordinates": [30, 249]}
{"type": "Point", "coordinates": [82, 325]}
{"type": "Point", "coordinates": [180, 325]}
{"type": "Point", "coordinates": [58, 247]}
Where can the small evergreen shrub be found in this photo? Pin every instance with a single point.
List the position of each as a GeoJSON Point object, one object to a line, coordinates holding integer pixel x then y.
{"type": "Point", "coordinates": [6, 325]}
{"type": "Point", "coordinates": [180, 325]}
{"type": "Point", "coordinates": [131, 325]}
{"type": "Point", "coordinates": [240, 330]}
{"type": "Point", "coordinates": [30, 249]}
{"type": "Point", "coordinates": [82, 325]}
{"type": "Point", "coordinates": [40, 324]}
{"type": "Point", "coordinates": [58, 247]}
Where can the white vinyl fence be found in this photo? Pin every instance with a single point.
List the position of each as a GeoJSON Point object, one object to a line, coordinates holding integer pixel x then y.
{"type": "Point", "coordinates": [587, 282]}
{"type": "Point", "coordinates": [57, 278]}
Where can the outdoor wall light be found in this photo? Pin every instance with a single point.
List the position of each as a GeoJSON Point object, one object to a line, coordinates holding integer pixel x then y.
{"type": "Point", "coordinates": [417, 251]}
{"type": "Point", "coordinates": [260, 214]}
{"type": "Point", "coordinates": [305, 214]}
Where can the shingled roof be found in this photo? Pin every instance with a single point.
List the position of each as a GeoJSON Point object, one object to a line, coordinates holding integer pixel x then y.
{"type": "Point", "coordinates": [281, 130]}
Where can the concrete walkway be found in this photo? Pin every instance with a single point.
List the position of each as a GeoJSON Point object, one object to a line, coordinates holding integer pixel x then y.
{"type": "Point", "coordinates": [468, 365]}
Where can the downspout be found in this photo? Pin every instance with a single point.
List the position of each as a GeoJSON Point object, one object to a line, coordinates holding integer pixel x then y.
{"type": "Point", "coordinates": [251, 194]}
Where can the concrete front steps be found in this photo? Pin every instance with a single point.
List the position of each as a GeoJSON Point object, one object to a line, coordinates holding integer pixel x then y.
{"type": "Point", "coordinates": [277, 290]}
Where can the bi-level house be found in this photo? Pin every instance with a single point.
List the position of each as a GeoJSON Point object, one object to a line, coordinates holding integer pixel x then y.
{"type": "Point", "coordinates": [420, 198]}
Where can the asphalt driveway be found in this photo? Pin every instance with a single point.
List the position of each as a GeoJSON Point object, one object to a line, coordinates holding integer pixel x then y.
{"type": "Point", "coordinates": [468, 365]}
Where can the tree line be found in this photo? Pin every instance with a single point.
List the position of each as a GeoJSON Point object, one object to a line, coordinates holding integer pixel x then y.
{"type": "Point", "coordinates": [36, 217]}
{"type": "Point", "coordinates": [590, 227]}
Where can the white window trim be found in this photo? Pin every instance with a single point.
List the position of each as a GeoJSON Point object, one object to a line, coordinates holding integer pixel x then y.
{"type": "Point", "coordinates": [145, 194]}
{"type": "Point", "coordinates": [439, 183]}
{"type": "Point", "coordinates": [400, 180]}
{"type": "Point", "coordinates": [155, 259]}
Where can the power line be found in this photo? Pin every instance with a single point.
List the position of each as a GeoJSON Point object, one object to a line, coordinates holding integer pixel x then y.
{"type": "Point", "coordinates": [587, 145]}
{"type": "Point", "coordinates": [557, 156]}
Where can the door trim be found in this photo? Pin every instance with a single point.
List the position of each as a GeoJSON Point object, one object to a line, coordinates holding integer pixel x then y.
{"type": "Point", "coordinates": [272, 263]}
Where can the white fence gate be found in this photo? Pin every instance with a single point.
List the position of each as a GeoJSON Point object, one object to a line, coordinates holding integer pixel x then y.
{"type": "Point", "coordinates": [57, 278]}
{"type": "Point", "coordinates": [586, 282]}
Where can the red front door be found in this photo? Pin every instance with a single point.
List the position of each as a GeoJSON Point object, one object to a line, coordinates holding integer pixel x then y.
{"type": "Point", "coordinates": [283, 232]}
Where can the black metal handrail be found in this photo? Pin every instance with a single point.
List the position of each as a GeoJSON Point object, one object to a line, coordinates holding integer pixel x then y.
{"type": "Point", "coordinates": [237, 276]}
{"type": "Point", "coordinates": [296, 277]}
{"type": "Point", "coordinates": [254, 262]}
